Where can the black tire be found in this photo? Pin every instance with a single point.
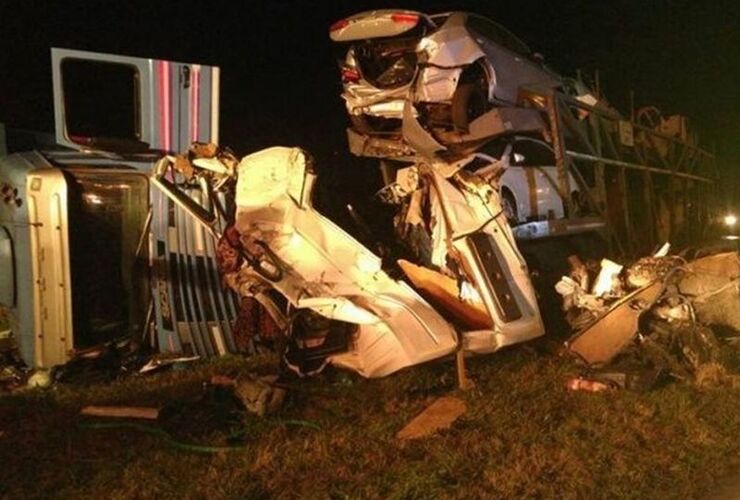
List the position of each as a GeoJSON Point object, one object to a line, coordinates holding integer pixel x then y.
{"type": "Point", "coordinates": [469, 101]}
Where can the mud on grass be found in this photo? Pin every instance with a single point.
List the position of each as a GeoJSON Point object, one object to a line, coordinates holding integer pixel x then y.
{"type": "Point", "coordinates": [524, 435]}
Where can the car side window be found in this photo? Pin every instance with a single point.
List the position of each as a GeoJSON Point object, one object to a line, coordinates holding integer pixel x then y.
{"type": "Point", "coordinates": [534, 153]}
{"type": "Point", "coordinates": [497, 34]}
{"type": "Point", "coordinates": [485, 28]}
{"type": "Point", "coordinates": [494, 148]}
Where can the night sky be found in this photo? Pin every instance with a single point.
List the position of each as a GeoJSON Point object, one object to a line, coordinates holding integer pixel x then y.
{"type": "Point", "coordinates": [280, 83]}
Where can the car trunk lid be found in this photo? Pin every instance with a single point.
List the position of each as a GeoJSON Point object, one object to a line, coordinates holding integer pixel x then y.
{"type": "Point", "coordinates": [375, 24]}
{"type": "Point", "coordinates": [384, 45]}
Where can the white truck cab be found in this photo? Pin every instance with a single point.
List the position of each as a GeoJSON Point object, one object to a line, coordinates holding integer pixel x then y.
{"type": "Point", "coordinates": [89, 252]}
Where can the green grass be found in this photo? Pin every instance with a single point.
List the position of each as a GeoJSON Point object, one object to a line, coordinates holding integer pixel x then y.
{"type": "Point", "coordinates": [523, 435]}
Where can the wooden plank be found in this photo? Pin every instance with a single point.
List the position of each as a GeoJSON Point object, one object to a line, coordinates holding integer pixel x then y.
{"type": "Point", "coordinates": [143, 412]}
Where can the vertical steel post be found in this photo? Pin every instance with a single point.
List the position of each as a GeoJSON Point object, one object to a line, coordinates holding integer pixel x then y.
{"type": "Point", "coordinates": [558, 146]}
{"type": "Point", "coordinates": [624, 202]}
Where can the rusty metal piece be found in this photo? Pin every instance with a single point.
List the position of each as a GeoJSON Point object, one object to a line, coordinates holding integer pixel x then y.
{"type": "Point", "coordinates": [648, 269]}
{"type": "Point", "coordinates": [183, 165]}
{"type": "Point", "coordinates": [609, 334]}
{"type": "Point", "coordinates": [204, 149]}
{"type": "Point", "coordinates": [496, 122]}
{"type": "Point", "coordinates": [378, 147]}
{"type": "Point", "coordinates": [439, 415]}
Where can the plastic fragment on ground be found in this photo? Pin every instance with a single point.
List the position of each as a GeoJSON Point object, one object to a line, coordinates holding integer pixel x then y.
{"type": "Point", "coordinates": [582, 384]}
{"type": "Point", "coordinates": [605, 280]}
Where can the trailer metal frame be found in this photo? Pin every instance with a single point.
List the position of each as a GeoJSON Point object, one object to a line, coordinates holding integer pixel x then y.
{"type": "Point", "coordinates": [647, 186]}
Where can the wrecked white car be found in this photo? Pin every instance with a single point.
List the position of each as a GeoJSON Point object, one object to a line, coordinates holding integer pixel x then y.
{"type": "Point", "coordinates": [443, 71]}
{"type": "Point", "coordinates": [468, 286]}
{"type": "Point", "coordinates": [529, 183]}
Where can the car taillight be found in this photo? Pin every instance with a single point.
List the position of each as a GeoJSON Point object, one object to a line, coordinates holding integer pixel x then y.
{"type": "Point", "coordinates": [350, 75]}
{"type": "Point", "coordinates": [338, 25]}
{"type": "Point", "coordinates": [402, 18]}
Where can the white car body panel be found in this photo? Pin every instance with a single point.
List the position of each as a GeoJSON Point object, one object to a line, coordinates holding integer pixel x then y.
{"type": "Point", "coordinates": [436, 84]}
{"type": "Point", "coordinates": [528, 184]}
{"type": "Point", "coordinates": [327, 270]}
{"type": "Point", "coordinates": [479, 210]}
{"type": "Point", "coordinates": [451, 45]}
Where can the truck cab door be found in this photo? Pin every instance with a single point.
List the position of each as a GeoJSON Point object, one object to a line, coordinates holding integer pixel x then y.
{"type": "Point", "coordinates": [128, 105]}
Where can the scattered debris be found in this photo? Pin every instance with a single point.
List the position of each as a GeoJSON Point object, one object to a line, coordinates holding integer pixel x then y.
{"type": "Point", "coordinates": [40, 379]}
{"type": "Point", "coordinates": [603, 339]}
{"type": "Point", "coordinates": [260, 396]}
{"type": "Point", "coordinates": [582, 384]}
{"type": "Point", "coordinates": [607, 283]}
{"type": "Point", "coordinates": [142, 412]}
{"type": "Point", "coordinates": [441, 414]}
{"type": "Point", "coordinates": [11, 378]}
{"type": "Point", "coordinates": [670, 315]}
{"type": "Point", "coordinates": [101, 363]}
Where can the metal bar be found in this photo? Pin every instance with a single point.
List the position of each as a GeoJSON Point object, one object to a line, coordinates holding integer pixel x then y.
{"type": "Point", "coordinates": [615, 116]}
{"type": "Point", "coordinates": [635, 166]}
{"type": "Point", "coordinates": [173, 260]}
{"type": "Point", "coordinates": [622, 183]}
{"type": "Point", "coordinates": [671, 206]}
{"type": "Point", "coordinates": [610, 143]}
{"type": "Point", "coordinates": [189, 314]}
{"type": "Point", "coordinates": [200, 311]}
{"type": "Point", "coordinates": [599, 171]}
{"type": "Point", "coordinates": [225, 314]}
{"type": "Point", "coordinates": [647, 181]}
{"type": "Point", "coordinates": [672, 139]}
{"type": "Point", "coordinates": [572, 125]}
{"type": "Point", "coordinates": [211, 285]}
{"type": "Point", "coordinates": [558, 146]}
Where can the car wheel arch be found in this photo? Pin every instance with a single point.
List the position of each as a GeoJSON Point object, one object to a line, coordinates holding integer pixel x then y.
{"type": "Point", "coordinates": [473, 86]}
{"type": "Point", "coordinates": [480, 65]}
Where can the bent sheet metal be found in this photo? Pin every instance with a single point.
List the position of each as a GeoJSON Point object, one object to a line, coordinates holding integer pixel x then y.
{"type": "Point", "coordinates": [337, 286]}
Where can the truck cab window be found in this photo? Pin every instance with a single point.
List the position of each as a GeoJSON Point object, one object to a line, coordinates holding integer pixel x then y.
{"type": "Point", "coordinates": [101, 99]}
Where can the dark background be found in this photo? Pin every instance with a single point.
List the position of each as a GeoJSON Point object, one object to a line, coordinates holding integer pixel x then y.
{"type": "Point", "coordinates": [280, 82]}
